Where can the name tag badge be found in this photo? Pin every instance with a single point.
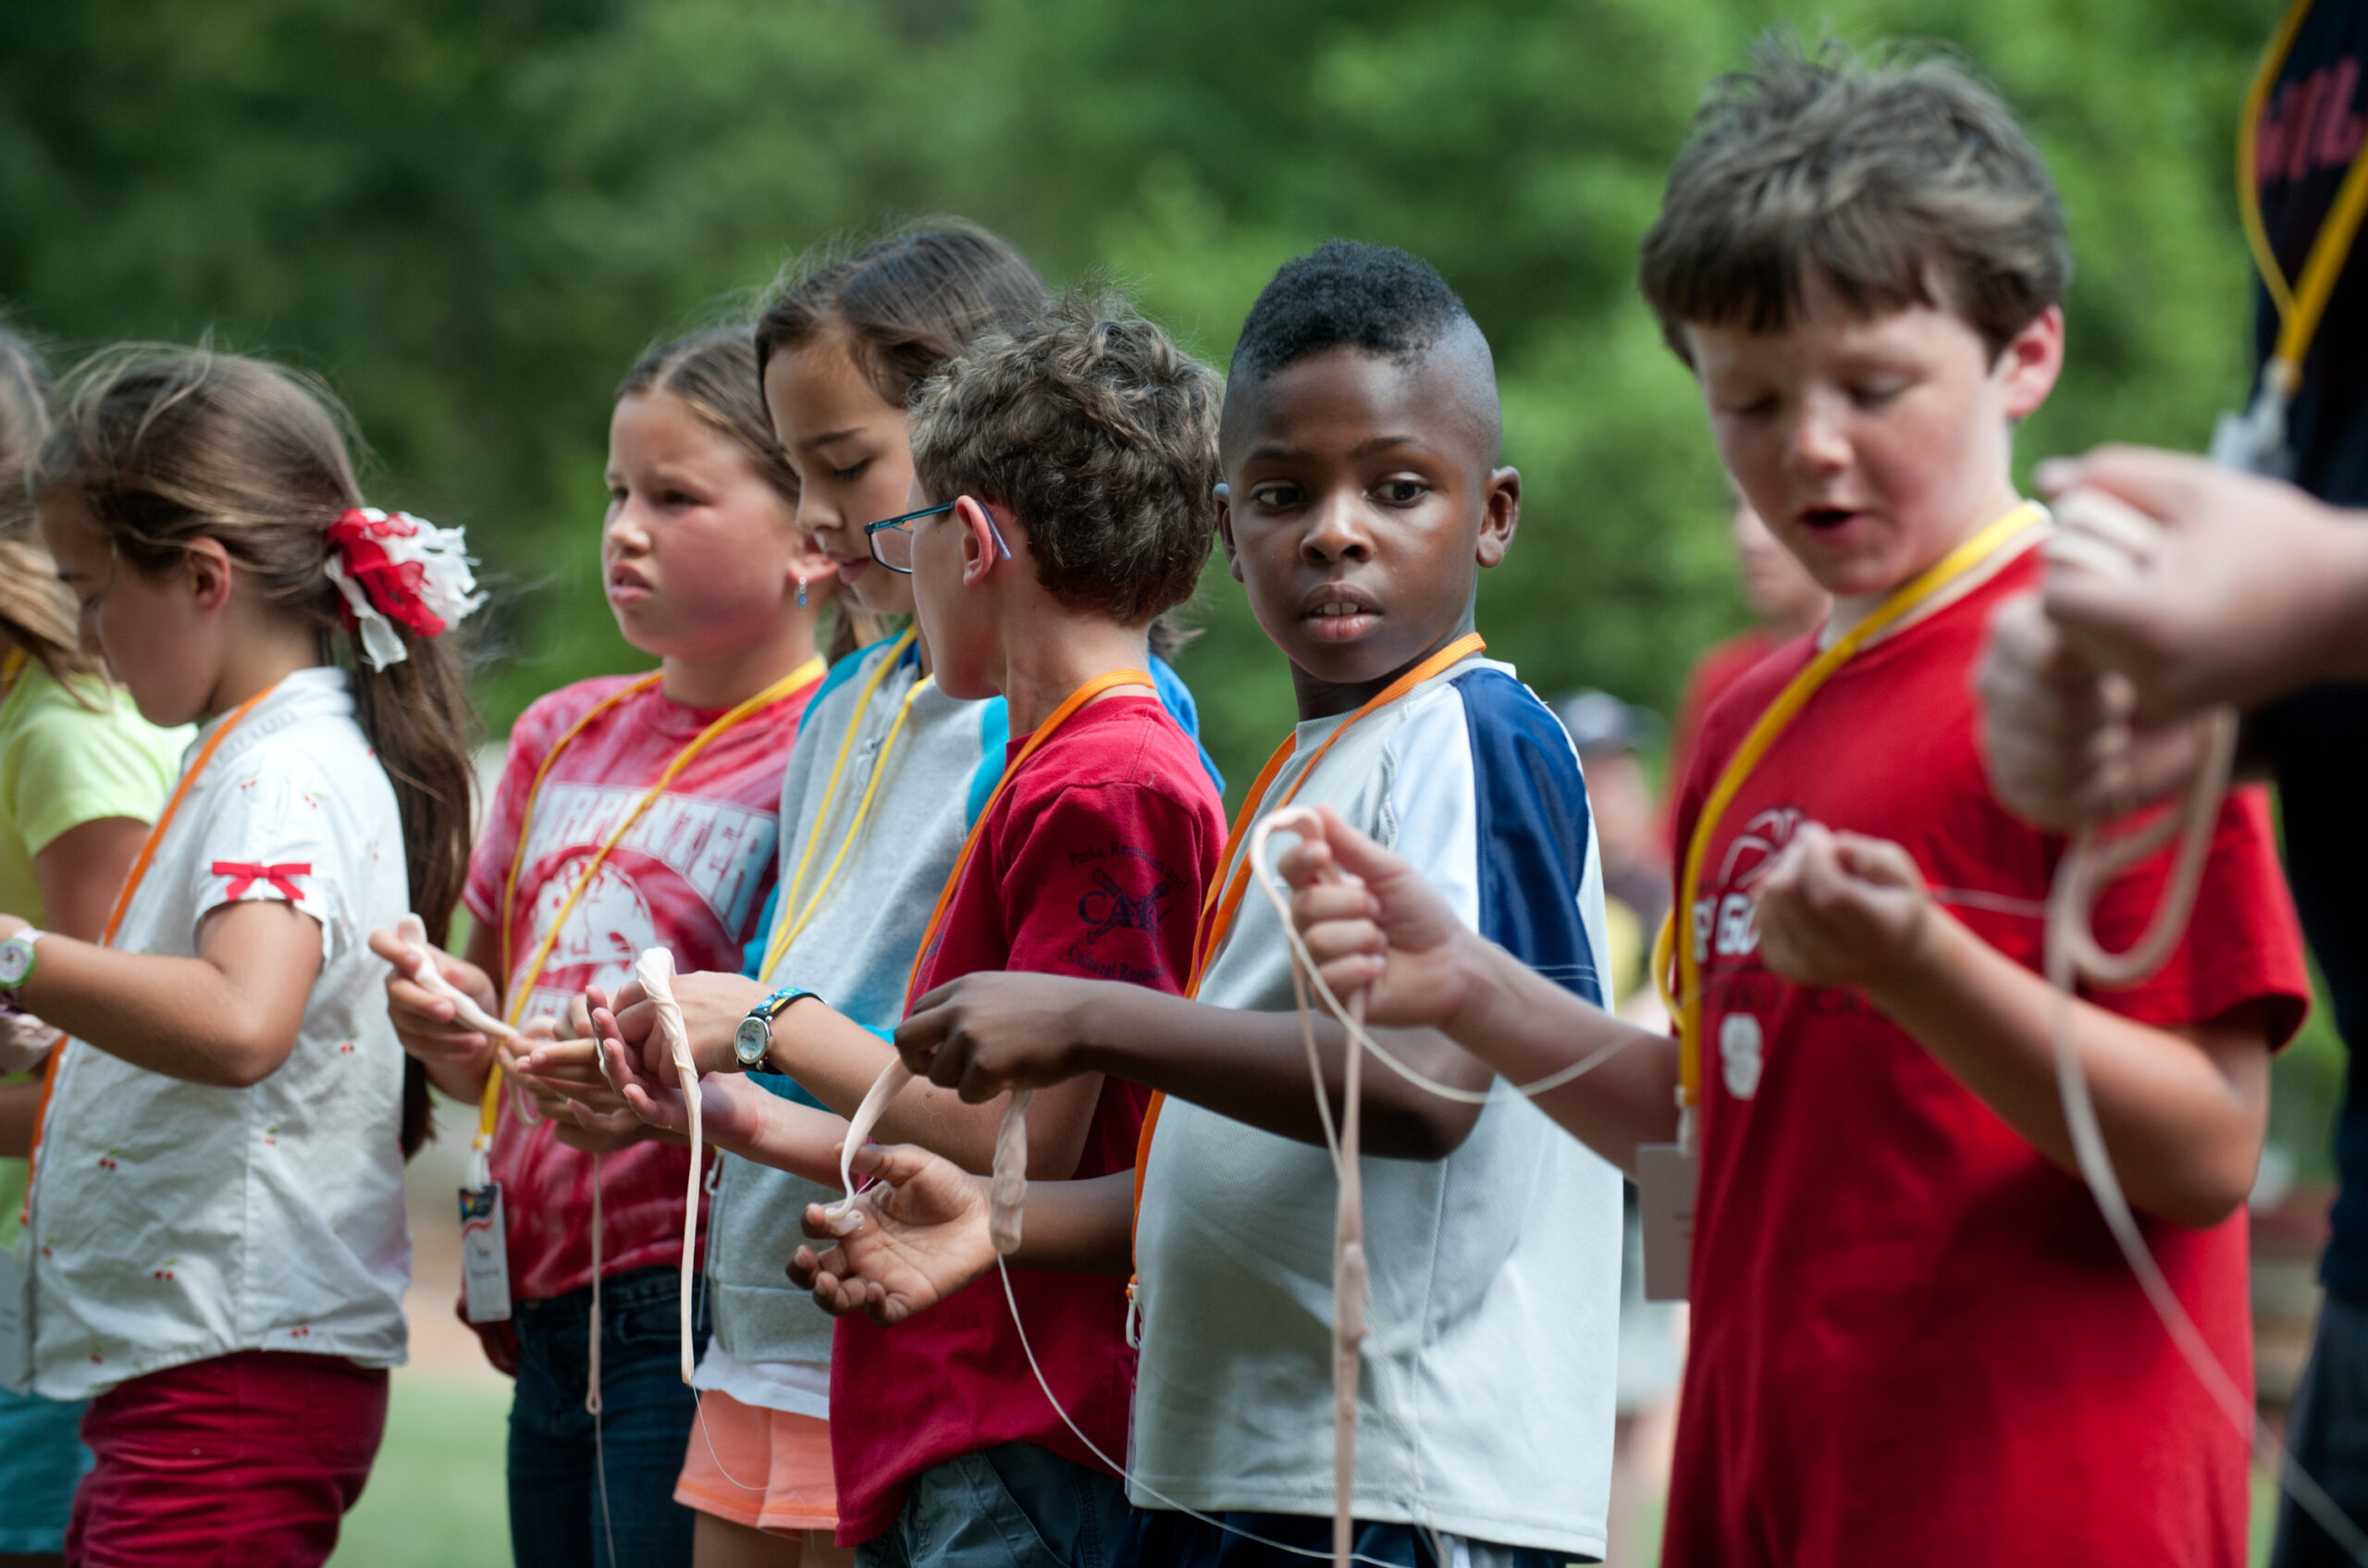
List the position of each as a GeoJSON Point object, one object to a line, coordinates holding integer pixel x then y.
{"type": "Point", "coordinates": [1666, 1178]}
{"type": "Point", "coordinates": [485, 1256]}
{"type": "Point", "coordinates": [17, 1316]}
{"type": "Point", "coordinates": [2254, 441]}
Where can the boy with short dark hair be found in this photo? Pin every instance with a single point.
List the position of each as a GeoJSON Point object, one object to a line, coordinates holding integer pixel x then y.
{"type": "Point", "coordinates": [1363, 492]}
{"type": "Point", "coordinates": [1912, 1338]}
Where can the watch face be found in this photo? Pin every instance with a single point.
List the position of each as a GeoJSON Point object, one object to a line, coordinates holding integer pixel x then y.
{"type": "Point", "coordinates": [16, 960]}
{"type": "Point", "coordinates": [748, 1042]}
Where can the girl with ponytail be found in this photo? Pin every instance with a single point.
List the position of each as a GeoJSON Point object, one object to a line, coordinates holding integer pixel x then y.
{"type": "Point", "coordinates": [215, 1208]}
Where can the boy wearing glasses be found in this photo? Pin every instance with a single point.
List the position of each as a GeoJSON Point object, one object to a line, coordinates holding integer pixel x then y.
{"type": "Point", "coordinates": [1080, 457]}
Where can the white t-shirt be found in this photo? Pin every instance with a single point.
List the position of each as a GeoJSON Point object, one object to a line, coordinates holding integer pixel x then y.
{"type": "Point", "coordinates": [174, 1221]}
{"type": "Point", "coordinates": [1485, 1408]}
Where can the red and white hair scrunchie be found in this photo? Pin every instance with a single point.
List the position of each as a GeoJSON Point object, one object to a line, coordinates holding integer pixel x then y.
{"type": "Point", "coordinates": [392, 566]}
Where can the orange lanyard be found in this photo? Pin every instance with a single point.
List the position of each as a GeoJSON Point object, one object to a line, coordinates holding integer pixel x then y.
{"type": "Point", "coordinates": [1042, 733]}
{"type": "Point", "coordinates": [131, 882]}
{"type": "Point", "coordinates": [517, 990]}
{"type": "Point", "coordinates": [1224, 899]}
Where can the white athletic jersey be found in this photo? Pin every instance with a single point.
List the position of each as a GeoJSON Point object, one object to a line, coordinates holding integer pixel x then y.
{"type": "Point", "coordinates": [1486, 1404]}
{"type": "Point", "coordinates": [174, 1221]}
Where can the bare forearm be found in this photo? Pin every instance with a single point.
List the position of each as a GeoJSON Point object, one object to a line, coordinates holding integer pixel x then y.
{"type": "Point", "coordinates": [1527, 1028]}
{"type": "Point", "coordinates": [1253, 1068]}
{"type": "Point", "coordinates": [20, 1105]}
{"type": "Point", "coordinates": [179, 1017]}
{"type": "Point", "coordinates": [837, 1060]}
{"type": "Point", "coordinates": [2184, 1123]}
{"type": "Point", "coordinates": [1083, 1226]}
{"type": "Point", "coordinates": [763, 1126]}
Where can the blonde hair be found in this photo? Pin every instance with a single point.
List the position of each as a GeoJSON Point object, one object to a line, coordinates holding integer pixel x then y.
{"type": "Point", "coordinates": [36, 612]}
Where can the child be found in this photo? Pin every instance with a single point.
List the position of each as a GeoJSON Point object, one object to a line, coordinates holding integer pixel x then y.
{"type": "Point", "coordinates": [81, 776]}
{"type": "Point", "coordinates": [1361, 443]}
{"type": "Point", "coordinates": [1913, 1340]}
{"type": "Point", "coordinates": [889, 774]}
{"type": "Point", "coordinates": [1073, 464]}
{"type": "Point", "coordinates": [216, 1187]}
{"type": "Point", "coordinates": [632, 812]}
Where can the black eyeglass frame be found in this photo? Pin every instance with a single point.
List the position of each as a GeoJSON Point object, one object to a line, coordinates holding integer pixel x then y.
{"type": "Point", "coordinates": [872, 532]}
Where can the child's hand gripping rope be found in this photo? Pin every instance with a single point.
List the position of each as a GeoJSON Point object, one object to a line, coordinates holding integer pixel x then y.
{"type": "Point", "coordinates": [418, 963]}
{"type": "Point", "coordinates": [2120, 766]}
{"type": "Point", "coordinates": [1009, 1196]}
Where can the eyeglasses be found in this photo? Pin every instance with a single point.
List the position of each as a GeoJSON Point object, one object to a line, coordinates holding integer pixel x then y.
{"type": "Point", "coordinates": [892, 539]}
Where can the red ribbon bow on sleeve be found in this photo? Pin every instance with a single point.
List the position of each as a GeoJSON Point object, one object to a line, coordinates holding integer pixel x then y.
{"type": "Point", "coordinates": [244, 875]}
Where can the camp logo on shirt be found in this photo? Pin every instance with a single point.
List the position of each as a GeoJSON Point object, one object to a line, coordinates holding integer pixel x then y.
{"type": "Point", "coordinates": [1727, 922]}
{"type": "Point", "coordinates": [716, 849]}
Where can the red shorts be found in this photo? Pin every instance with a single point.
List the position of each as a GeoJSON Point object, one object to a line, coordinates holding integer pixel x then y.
{"type": "Point", "coordinates": [245, 1459]}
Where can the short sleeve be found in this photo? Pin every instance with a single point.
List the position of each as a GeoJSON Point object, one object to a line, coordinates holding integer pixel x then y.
{"type": "Point", "coordinates": [271, 837]}
{"type": "Point", "coordinates": [2243, 944]}
{"type": "Point", "coordinates": [75, 765]}
{"type": "Point", "coordinates": [1105, 882]}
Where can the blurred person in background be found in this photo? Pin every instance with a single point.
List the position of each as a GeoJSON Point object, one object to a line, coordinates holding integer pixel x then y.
{"type": "Point", "coordinates": [1788, 603]}
{"type": "Point", "coordinates": [1609, 735]}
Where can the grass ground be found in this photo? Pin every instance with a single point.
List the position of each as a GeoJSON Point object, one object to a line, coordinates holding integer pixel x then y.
{"type": "Point", "coordinates": [435, 1496]}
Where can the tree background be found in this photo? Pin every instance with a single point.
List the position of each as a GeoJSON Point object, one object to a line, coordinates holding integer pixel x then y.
{"type": "Point", "coordinates": [471, 216]}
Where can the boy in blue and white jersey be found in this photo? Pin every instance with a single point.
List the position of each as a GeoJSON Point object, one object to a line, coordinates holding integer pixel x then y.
{"type": "Point", "coordinates": [1360, 446]}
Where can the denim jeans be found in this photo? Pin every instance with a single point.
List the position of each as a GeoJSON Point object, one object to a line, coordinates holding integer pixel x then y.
{"type": "Point", "coordinates": [1014, 1506]}
{"type": "Point", "coordinates": [558, 1517]}
{"type": "Point", "coordinates": [41, 1460]}
{"type": "Point", "coordinates": [1165, 1539]}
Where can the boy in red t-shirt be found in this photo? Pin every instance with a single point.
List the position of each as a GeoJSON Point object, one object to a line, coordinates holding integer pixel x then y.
{"type": "Point", "coordinates": [1913, 1338]}
{"type": "Point", "coordinates": [1073, 465]}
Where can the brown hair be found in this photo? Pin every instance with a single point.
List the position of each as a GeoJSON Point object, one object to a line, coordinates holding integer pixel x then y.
{"type": "Point", "coordinates": [1099, 434]}
{"type": "Point", "coordinates": [165, 446]}
{"type": "Point", "coordinates": [906, 303]}
{"type": "Point", "coordinates": [1903, 184]}
{"type": "Point", "coordinates": [36, 612]}
{"type": "Point", "coordinates": [714, 374]}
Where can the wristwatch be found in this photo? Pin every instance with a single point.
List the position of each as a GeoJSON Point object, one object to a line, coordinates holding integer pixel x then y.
{"type": "Point", "coordinates": [750, 1041]}
{"type": "Point", "coordinates": [17, 956]}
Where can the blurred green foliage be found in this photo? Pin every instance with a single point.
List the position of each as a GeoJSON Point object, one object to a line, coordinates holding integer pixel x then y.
{"type": "Point", "coordinates": [471, 216]}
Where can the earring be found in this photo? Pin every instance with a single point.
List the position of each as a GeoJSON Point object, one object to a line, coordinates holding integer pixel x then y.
{"type": "Point", "coordinates": [801, 593]}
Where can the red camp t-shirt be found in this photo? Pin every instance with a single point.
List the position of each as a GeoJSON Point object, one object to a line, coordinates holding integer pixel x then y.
{"type": "Point", "coordinates": [1092, 864]}
{"type": "Point", "coordinates": [1913, 1338]}
{"type": "Point", "coordinates": [691, 875]}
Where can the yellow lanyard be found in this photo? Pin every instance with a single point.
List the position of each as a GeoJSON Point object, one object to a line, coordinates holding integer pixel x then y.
{"type": "Point", "coordinates": [520, 987]}
{"type": "Point", "coordinates": [1043, 732]}
{"type": "Point", "coordinates": [789, 920]}
{"type": "Point", "coordinates": [2302, 303]}
{"type": "Point", "coordinates": [1687, 1005]}
{"type": "Point", "coordinates": [139, 864]}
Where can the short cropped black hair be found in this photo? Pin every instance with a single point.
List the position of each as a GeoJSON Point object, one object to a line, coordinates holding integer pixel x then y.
{"type": "Point", "coordinates": [1346, 294]}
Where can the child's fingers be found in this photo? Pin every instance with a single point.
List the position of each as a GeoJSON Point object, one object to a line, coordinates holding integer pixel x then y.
{"type": "Point", "coordinates": [1336, 939]}
{"type": "Point", "coordinates": [1878, 860]}
{"type": "Point", "coordinates": [1305, 863]}
{"type": "Point", "coordinates": [1325, 902]}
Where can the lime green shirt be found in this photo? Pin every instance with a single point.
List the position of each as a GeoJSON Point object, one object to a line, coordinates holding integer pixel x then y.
{"type": "Point", "coordinates": [61, 765]}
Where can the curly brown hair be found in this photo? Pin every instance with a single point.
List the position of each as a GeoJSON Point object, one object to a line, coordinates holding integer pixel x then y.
{"type": "Point", "coordinates": [1099, 434]}
{"type": "Point", "coordinates": [1899, 184]}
